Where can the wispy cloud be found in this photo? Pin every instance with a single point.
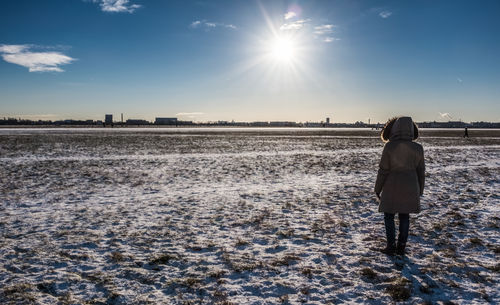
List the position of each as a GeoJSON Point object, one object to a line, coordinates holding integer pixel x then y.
{"type": "Point", "coordinates": [460, 80]}
{"type": "Point", "coordinates": [323, 29]}
{"type": "Point", "coordinates": [13, 48]}
{"type": "Point", "coordinates": [35, 61]}
{"type": "Point", "coordinates": [207, 25]}
{"type": "Point", "coordinates": [445, 115]}
{"type": "Point", "coordinates": [190, 115]}
{"type": "Point", "coordinates": [385, 14]}
{"type": "Point", "coordinates": [330, 39]}
{"type": "Point", "coordinates": [117, 6]}
{"type": "Point", "coordinates": [324, 33]}
{"type": "Point", "coordinates": [296, 25]}
{"type": "Point", "coordinates": [290, 15]}
{"type": "Point", "coordinates": [195, 24]}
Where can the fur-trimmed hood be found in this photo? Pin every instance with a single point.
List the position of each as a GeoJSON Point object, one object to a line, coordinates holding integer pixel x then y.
{"type": "Point", "coordinates": [402, 129]}
{"type": "Point", "coordinates": [399, 128]}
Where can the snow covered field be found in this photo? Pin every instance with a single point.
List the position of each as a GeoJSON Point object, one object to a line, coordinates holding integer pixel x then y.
{"type": "Point", "coordinates": [239, 216]}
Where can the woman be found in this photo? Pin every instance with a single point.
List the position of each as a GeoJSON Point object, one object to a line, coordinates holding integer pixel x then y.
{"type": "Point", "coordinates": [400, 179]}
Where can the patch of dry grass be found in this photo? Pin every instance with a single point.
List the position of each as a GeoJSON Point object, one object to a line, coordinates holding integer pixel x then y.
{"type": "Point", "coordinates": [400, 290]}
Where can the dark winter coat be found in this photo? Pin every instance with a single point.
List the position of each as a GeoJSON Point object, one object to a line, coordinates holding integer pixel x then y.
{"type": "Point", "coordinates": [401, 172]}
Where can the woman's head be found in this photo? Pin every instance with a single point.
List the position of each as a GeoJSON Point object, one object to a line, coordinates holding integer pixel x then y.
{"type": "Point", "coordinates": [402, 128]}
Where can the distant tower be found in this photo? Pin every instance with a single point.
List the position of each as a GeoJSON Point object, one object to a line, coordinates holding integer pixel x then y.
{"type": "Point", "coordinates": [122, 117]}
{"type": "Point", "coordinates": [327, 120]}
{"type": "Point", "coordinates": [108, 119]}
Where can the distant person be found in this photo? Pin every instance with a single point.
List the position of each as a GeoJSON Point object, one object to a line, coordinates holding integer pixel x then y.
{"type": "Point", "coordinates": [400, 180]}
{"type": "Point", "coordinates": [466, 133]}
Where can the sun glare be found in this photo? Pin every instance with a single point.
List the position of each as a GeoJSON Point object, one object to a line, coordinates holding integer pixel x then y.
{"type": "Point", "coordinates": [280, 53]}
{"type": "Point", "coordinates": [282, 49]}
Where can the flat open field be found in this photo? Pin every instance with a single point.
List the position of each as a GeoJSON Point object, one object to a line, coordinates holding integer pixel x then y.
{"type": "Point", "coordinates": [239, 216]}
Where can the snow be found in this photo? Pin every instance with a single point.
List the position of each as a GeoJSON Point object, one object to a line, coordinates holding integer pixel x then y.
{"type": "Point", "coordinates": [242, 216]}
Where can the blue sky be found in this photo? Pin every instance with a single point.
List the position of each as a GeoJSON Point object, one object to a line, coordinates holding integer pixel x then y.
{"type": "Point", "coordinates": [250, 60]}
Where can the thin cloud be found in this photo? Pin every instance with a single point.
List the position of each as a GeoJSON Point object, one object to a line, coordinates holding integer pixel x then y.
{"type": "Point", "coordinates": [290, 15]}
{"type": "Point", "coordinates": [189, 113]}
{"type": "Point", "coordinates": [330, 39]}
{"type": "Point", "coordinates": [385, 14]}
{"type": "Point", "coordinates": [117, 6]}
{"type": "Point", "coordinates": [195, 24]}
{"type": "Point", "coordinates": [459, 80]}
{"type": "Point", "coordinates": [323, 29]}
{"type": "Point", "coordinates": [323, 32]}
{"type": "Point", "coordinates": [445, 115]}
{"type": "Point", "coordinates": [296, 25]}
{"type": "Point", "coordinates": [35, 61]}
{"type": "Point", "coordinates": [210, 25]}
{"type": "Point", "coordinates": [13, 48]}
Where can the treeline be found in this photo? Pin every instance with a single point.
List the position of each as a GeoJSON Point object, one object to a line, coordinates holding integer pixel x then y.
{"type": "Point", "coordinates": [13, 121]}
{"type": "Point", "coordinates": [458, 124]}
{"type": "Point", "coordinates": [135, 122]}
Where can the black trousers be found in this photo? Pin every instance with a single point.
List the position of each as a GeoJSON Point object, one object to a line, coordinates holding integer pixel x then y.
{"type": "Point", "coordinates": [390, 229]}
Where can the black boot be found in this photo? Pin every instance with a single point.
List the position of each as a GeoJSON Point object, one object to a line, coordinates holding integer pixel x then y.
{"type": "Point", "coordinates": [400, 250]}
{"type": "Point", "coordinates": [389, 250]}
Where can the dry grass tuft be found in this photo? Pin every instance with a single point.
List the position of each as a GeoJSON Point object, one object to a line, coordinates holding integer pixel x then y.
{"type": "Point", "coordinates": [285, 260]}
{"type": "Point", "coordinates": [217, 273]}
{"type": "Point", "coordinates": [369, 273]}
{"type": "Point", "coordinates": [400, 290]}
{"type": "Point", "coordinates": [162, 259]}
{"type": "Point", "coordinates": [241, 242]}
{"type": "Point", "coordinates": [307, 271]}
{"type": "Point", "coordinates": [476, 241]}
{"type": "Point", "coordinates": [18, 294]}
{"type": "Point", "coordinates": [117, 257]}
{"type": "Point", "coordinates": [284, 299]}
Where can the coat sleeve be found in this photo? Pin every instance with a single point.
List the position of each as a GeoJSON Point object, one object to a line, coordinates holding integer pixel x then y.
{"type": "Point", "coordinates": [383, 171]}
{"type": "Point", "coordinates": [421, 172]}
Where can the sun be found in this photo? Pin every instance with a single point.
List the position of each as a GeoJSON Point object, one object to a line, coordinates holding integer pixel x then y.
{"type": "Point", "coordinates": [282, 49]}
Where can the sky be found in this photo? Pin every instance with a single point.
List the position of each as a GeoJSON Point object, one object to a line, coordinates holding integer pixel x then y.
{"type": "Point", "coordinates": [248, 60]}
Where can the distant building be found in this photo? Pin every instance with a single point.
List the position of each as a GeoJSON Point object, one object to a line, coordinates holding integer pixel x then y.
{"type": "Point", "coordinates": [136, 122]}
{"type": "Point", "coordinates": [327, 120]}
{"type": "Point", "coordinates": [259, 124]}
{"type": "Point", "coordinates": [313, 124]}
{"type": "Point", "coordinates": [108, 119]}
{"type": "Point", "coordinates": [450, 124]}
{"type": "Point", "coordinates": [282, 124]}
{"type": "Point", "coordinates": [166, 121]}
